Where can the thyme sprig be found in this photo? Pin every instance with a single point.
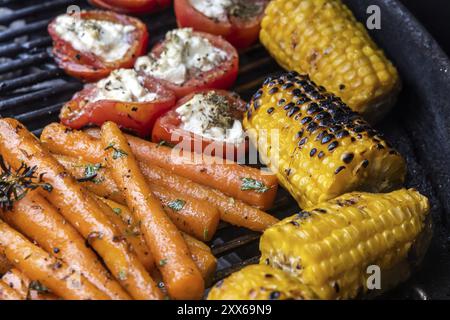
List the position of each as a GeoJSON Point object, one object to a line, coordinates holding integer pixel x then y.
{"type": "Point", "coordinates": [15, 184]}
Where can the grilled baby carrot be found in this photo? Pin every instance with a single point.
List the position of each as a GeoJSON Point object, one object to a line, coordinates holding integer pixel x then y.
{"type": "Point", "coordinates": [193, 216]}
{"type": "Point", "coordinates": [180, 274]}
{"type": "Point", "coordinates": [62, 140]}
{"type": "Point", "coordinates": [51, 272]}
{"type": "Point", "coordinates": [18, 146]}
{"type": "Point", "coordinates": [34, 217]}
{"type": "Point", "coordinates": [241, 182]}
{"type": "Point", "coordinates": [200, 252]}
{"type": "Point", "coordinates": [27, 289]}
{"type": "Point", "coordinates": [130, 233]}
{"type": "Point", "coordinates": [8, 293]}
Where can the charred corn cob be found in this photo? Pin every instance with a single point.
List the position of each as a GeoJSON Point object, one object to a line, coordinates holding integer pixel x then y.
{"type": "Point", "coordinates": [260, 282]}
{"type": "Point", "coordinates": [329, 247]}
{"type": "Point", "coordinates": [318, 147]}
{"type": "Point", "coordinates": [323, 39]}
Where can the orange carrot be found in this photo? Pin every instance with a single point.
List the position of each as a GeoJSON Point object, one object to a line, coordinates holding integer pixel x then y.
{"type": "Point", "coordinates": [193, 216]}
{"type": "Point", "coordinates": [228, 177]}
{"type": "Point", "coordinates": [200, 252]}
{"type": "Point", "coordinates": [27, 289]}
{"type": "Point", "coordinates": [131, 234]}
{"type": "Point", "coordinates": [180, 274]}
{"type": "Point", "coordinates": [40, 266]}
{"type": "Point", "coordinates": [18, 146]}
{"type": "Point", "coordinates": [79, 144]}
{"type": "Point", "coordinates": [36, 218]}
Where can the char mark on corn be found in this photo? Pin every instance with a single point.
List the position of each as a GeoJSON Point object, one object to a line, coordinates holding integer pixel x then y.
{"type": "Point", "coordinates": [326, 148]}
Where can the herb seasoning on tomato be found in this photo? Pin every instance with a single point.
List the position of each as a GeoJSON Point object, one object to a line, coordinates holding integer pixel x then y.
{"type": "Point", "coordinates": [188, 61]}
{"type": "Point", "coordinates": [133, 102]}
{"type": "Point", "coordinates": [206, 121]}
{"type": "Point", "coordinates": [238, 21]}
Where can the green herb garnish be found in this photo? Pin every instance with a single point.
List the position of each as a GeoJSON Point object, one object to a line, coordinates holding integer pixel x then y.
{"type": "Point", "coordinates": [117, 211]}
{"type": "Point", "coordinates": [176, 205]}
{"type": "Point", "coordinates": [90, 172]}
{"type": "Point", "coordinates": [118, 153]}
{"type": "Point", "coordinates": [36, 285]}
{"type": "Point", "coordinates": [255, 185]}
{"type": "Point", "coordinates": [205, 233]}
{"type": "Point", "coordinates": [122, 275]}
{"type": "Point", "coordinates": [162, 262]}
{"type": "Point", "coordinates": [15, 184]}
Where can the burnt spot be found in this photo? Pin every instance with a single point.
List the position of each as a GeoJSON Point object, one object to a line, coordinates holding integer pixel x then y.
{"type": "Point", "coordinates": [339, 169]}
{"type": "Point", "coordinates": [268, 276]}
{"type": "Point", "coordinates": [348, 157]}
{"type": "Point", "coordinates": [281, 102]}
{"type": "Point", "coordinates": [320, 155]}
{"type": "Point", "coordinates": [299, 134]}
{"type": "Point", "coordinates": [275, 295]}
{"type": "Point", "coordinates": [302, 141]}
{"type": "Point", "coordinates": [326, 139]}
{"type": "Point", "coordinates": [312, 126]}
{"type": "Point", "coordinates": [296, 92]}
{"type": "Point", "coordinates": [273, 90]}
{"type": "Point", "coordinates": [287, 172]}
{"type": "Point", "coordinates": [319, 210]}
{"type": "Point", "coordinates": [287, 85]}
{"type": "Point", "coordinates": [256, 104]}
{"type": "Point", "coordinates": [292, 111]}
{"type": "Point", "coordinates": [306, 120]}
{"type": "Point", "coordinates": [294, 223]}
{"type": "Point", "coordinates": [312, 152]}
{"type": "Point", "coordinates": [289, 105]}
{"type": "Point", "coordinates": [270, 110]}
{"type": "Point", "coordinates": [365, 163]}
{"type": "Point", "coordinates": [333, 146]}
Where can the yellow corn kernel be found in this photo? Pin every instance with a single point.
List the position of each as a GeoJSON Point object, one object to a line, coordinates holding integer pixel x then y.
{"type": "Point", "coordinates": [323, 149]}
{"type": "Point", "coordinates": [323, 39]}
{"type": "Point", "coordinates": [329, 247]}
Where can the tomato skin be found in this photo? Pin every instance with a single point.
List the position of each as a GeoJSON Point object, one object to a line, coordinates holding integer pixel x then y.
{"type": "Point", "coordinates": [240, 34]}
{"type": "Point", "coordinates": [132, 6]}
{"type": "Point", "coordinates": [169, 124]}
{"type": "Point", "coordinates": [87, 66]}
{"type": "Point", "coordinates": [138, 117]}
{"type": "Point", "coordinates": [222, 77]}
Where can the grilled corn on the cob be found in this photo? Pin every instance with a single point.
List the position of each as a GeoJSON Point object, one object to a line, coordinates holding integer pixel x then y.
{"type": "Point", "coordinates": [329, 247]}
{"type": "Point", "coordinates": [323, 149]}
{"type": "Point", "coordinates": [260, 282]}
{"type": "Point", "coordinates": [323, 39]}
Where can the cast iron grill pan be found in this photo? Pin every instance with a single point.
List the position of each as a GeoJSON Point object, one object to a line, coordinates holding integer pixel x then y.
{"type": "Point", "coordinates": [33, 89]}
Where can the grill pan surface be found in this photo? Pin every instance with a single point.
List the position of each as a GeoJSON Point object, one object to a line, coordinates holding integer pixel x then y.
{"type": "Point", "coordinates": [33, 89]}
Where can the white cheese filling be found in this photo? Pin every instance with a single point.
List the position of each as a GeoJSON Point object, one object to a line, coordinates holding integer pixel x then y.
{"type": "Point", "coordinates": [185, 55]}
{"type": "Point", "coordinates": [105, 39]}
{"type": "Point", "coordinates": [123, 85]}
{"type": "Point", "coordinates": [202, 115]}
{"type": "Point", "coordinates": [214, 9]}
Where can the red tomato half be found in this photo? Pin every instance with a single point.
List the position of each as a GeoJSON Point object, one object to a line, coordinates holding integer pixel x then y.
{"type": "Point", "coordinates": [240, 30]}
{"type": "Point", "coordinates": [90, 67]}
{"type": "Point", "coordinates": [167, 128]}
{"type": "Point", "coordinates": [221, 77]}
{"type": "Point", "coordinates": [132, 6]}
{"type": "Point", "coordinates": [138, 117]}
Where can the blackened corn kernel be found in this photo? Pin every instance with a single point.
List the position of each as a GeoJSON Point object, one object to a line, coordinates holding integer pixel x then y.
{"type": "Point", "coordinates": [331, 128]}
